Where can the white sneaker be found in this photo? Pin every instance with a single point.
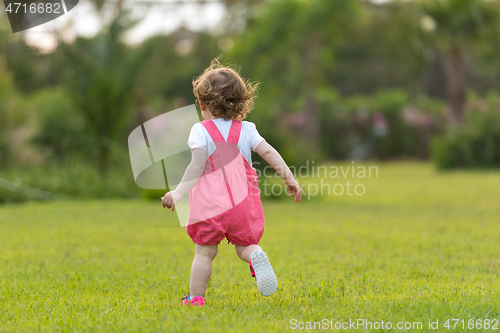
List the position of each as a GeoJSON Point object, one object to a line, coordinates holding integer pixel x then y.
{"type": "Point", "coordinates": [264, 274]}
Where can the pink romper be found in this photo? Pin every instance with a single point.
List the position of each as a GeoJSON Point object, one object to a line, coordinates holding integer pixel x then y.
{"type": "Point", "coordinates": [225, 202]}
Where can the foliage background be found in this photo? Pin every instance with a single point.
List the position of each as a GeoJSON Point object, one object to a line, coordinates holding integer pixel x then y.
{"type": "Point", "coordinates": [340, 80]}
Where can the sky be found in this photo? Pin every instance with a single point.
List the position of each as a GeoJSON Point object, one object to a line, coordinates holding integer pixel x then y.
{"type": "Point", "coordinates": [155, 17]}
{"type": "Point", "coordinates": [160, 17]}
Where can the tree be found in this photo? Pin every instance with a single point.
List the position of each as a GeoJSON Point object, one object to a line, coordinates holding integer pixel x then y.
{"type": "Point", "coordinates": [290, 48]}
{"type": "Point", "coordinates": [101, 75]}
{"type": "Point", "coordinates": [458, 24]}
{"type": "Point", "coordinates": [384, 50]}
{"type": "Point", "coordinates": [12, 115]}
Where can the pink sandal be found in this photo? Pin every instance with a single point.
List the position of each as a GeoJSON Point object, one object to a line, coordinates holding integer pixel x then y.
{"type": "Point", "coordinates": [195, 301]}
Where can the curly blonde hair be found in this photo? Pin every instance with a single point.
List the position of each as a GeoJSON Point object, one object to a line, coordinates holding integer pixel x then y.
{"type": "Point", "coordinates": [225, 93]}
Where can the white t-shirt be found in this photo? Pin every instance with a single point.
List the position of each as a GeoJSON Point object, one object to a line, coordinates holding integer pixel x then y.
{"type": "Point", "coordinates": [248, 142]}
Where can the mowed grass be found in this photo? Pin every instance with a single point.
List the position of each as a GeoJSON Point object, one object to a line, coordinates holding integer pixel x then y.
{"type": "Point", "coordinates": [419, 245]}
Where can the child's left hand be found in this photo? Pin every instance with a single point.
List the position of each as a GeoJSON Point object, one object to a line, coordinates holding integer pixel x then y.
{"type": "Point", "coordinates": [170, 199]}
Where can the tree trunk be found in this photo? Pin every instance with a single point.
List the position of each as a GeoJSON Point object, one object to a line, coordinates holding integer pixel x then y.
{"type": "Point", "coordinates": [456, 83]}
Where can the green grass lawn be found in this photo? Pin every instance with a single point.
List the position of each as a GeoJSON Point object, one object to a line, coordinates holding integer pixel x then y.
{"type": "Point", "coordinates": [419, 245]}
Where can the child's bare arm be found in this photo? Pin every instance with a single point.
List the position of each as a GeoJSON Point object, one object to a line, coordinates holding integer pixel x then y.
{"type": "Point", "coordinates": [191, 176]}
{"type": "Point", "coordinates": [271, 155]}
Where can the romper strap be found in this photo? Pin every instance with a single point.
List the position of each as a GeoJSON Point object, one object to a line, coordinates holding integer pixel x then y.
{"type": "Point", "coordinates": [234, 132]}
{"type": "Point", "coordinates": [213, 130]}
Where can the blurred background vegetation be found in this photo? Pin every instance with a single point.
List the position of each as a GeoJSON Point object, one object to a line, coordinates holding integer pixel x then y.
{"type": "Point", "coordinates": [339, 80]}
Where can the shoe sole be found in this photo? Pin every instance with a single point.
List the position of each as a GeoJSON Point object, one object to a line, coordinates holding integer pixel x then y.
{"type": "Point", "coordinates": [264, 273]}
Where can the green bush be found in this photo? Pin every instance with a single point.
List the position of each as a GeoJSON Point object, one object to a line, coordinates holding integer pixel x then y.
{"type": "Point", "coordinates": [349, 125]}
{"type": "Point", "coordinates": [71, 177]}
{"type": "Point", "coordinates": [401, 139]}
{"type": "Point", "coordinates": [338, 125]}
{"type": "Point", "coordinates": [475, 145]}
{"type": "Point", "coordinates": [12, 114]}
{"type": "Point", "coordinates": [60, 126]}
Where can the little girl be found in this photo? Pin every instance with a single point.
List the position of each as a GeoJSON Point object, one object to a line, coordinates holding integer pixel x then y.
{"type": "Point", "coordinates": [223, 191]}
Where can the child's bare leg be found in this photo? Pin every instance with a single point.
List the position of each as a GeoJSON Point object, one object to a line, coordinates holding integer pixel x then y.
{"type": "Point", "coordinates": [201, 269]}
{"type": "Point", "coordinates": [244, 252]}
